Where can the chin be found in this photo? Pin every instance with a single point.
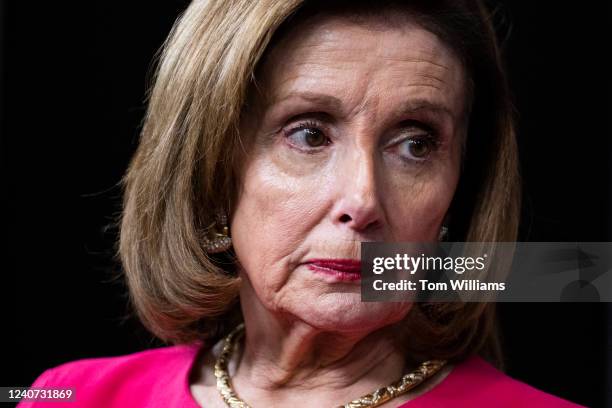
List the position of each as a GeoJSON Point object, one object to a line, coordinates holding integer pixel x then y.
{"type": "Point", "coordinates": [345, 312]}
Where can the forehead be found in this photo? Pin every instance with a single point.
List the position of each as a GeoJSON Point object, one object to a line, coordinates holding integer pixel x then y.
{"type": "Point", "coordinates": [365, 61]}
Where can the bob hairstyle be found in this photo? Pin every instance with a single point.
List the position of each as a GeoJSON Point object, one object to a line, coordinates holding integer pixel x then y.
{"type": "Point", "coordinates": [184, 170]}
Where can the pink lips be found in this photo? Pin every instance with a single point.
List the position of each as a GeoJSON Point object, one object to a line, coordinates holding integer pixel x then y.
{"type": "Point", "coordinates": [339, 269]}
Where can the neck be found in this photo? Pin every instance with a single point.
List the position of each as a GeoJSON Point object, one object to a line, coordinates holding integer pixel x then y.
{"type": "Point", "coordinates": [281, 354]}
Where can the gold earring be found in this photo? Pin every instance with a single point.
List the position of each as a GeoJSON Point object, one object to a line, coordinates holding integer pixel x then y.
{"type": "Point", "coordinates": [217, 237]}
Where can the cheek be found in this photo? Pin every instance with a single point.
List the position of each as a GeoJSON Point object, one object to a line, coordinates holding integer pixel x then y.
{"type": "Point", "coordinates": [275, 212]}
{"type": "Point", "coordinates": [416, 206]}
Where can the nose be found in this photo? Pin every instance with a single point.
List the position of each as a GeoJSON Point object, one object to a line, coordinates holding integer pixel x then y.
{"type": "Point", "coordinates": [358, 206]}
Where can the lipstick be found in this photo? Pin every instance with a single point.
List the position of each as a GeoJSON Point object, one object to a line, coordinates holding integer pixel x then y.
{"type": "Point", "coordinates": [338, 269]}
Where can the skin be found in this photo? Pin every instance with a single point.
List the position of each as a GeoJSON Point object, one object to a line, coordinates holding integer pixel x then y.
{"type": "Point", "coordinates": [367, 90]}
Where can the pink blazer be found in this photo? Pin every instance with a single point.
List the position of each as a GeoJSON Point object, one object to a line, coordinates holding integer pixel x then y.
{"type": "Point", "coordinates": [158, 378]}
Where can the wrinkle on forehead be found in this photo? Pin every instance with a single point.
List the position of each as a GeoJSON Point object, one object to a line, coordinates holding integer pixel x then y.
{"type": "Point", "coordinates": [323, 50]}
{"type": "Point", "coordinates": [325, 33]}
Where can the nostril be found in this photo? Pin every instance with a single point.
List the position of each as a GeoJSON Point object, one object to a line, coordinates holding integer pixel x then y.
{"type": "Point", "coordinates": [345, 218]}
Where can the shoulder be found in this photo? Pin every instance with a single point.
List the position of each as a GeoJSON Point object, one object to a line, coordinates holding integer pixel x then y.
{"type": "Point", "coordinates": [148, 365]}
{"type": "Point", "coordinates": [156, 377]}
{"type": "Point", "coordinates": [508, 390]}
{"type": "Point", "coordinates": [475, 382]}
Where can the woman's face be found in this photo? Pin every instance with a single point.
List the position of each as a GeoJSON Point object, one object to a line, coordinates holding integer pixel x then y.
{"type": "Point", "coordinates": [355, 136]}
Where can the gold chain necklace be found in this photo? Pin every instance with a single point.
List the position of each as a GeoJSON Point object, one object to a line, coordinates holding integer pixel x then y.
{"type": "Point", "coordinates": [407, 382]}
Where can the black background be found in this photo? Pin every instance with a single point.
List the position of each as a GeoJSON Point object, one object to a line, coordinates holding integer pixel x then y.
{"type": "Point", "coordinates": [73, 85]}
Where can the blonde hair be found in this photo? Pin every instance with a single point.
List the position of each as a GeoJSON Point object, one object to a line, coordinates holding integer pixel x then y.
{"type": "Point", "coordinates": [183, 171]}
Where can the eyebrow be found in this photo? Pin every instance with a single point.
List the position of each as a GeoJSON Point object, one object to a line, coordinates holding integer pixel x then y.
{"type": "Point", "coordinates": [334, 103]}
{"type": "Point", "coordinates": [415, 105]}
{"type": "Point", "coordinates": [314, 97]}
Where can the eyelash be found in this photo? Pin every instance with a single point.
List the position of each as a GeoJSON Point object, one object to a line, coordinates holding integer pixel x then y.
{"type": "Point", "coordinates": [301, 126]}
{"type": "Point", "coordinates": [308, 124]}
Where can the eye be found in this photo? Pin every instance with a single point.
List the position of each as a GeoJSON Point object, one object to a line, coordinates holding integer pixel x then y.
{"type": "Point", "coordinates": [416, 144]}
{"type": "Point", "coordinates": [416, 148]}
{"type": "Point", "coordinates": [307, 135]}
